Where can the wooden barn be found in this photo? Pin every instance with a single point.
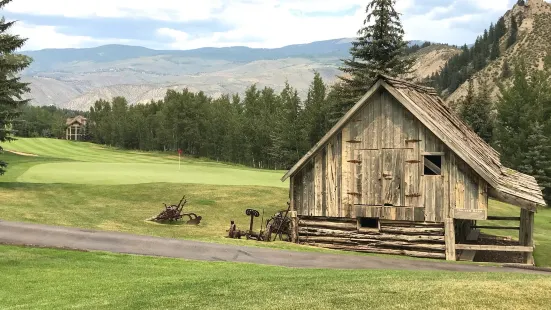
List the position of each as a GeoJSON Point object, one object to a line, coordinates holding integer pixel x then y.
{"type": "Point", "coordinates": [401, 174]}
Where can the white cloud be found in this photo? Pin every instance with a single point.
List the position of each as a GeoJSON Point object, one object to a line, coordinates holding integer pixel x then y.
{"type": "Point", "coordinates": [179, 10]}
{"type": "Point", "coordinates": [40, 37]}
{"type": "Point", "coordinates": [254, 23]}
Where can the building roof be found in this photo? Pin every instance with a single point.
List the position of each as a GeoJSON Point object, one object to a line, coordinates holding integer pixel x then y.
{"type": "Point", "coordinates": [425, 104]}
{"type": "Point", "coordinates": [81, 120]}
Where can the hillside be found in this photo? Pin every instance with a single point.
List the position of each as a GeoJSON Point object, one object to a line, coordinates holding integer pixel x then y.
{"type": "Point", "coordinates": [431, 60]}
{"type": "Point", "coordinates": [75, 78]}
{"type": "Point", "coordinates": [533, 46]}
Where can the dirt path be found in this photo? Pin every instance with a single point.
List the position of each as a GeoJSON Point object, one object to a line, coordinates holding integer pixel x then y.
{"type": "Point", "coordinates": [84, 239]}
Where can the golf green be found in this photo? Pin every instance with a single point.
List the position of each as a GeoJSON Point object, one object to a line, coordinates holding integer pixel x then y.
{"type": "Point", "coordinates": [127, 173]}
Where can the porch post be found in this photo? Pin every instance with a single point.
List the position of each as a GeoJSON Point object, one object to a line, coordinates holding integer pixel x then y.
{"type": "Point", "coordinates": [449, 237]}
{"type": "Point", "coordinates": [293, 213]}
{"type": "Point", "coordinates": [526, 233]}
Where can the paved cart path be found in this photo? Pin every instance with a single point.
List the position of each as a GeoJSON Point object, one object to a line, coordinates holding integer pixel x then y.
{"type": "Point", "coordinates": [86, 239]}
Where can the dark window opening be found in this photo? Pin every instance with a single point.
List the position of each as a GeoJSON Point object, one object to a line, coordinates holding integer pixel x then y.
{"type": "Point", "coordinates": [389, 205]}
{"type": "Point", "coordinates": [433, 165]}
{"type": "Point", "coordinates": [369, 222]}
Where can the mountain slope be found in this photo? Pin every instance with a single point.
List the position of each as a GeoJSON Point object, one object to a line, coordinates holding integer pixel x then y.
{"type": "Point", "coordinates": [75, 78]}
{"type": "Point", "coordinates": [533, 46]}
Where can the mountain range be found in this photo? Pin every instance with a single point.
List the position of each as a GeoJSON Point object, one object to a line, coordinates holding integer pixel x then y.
{"type": "Point", "coordinates": [75, 78]}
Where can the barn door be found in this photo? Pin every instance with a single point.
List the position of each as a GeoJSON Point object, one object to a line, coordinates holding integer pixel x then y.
{"type": "Point", "coordinates": [392, 177]}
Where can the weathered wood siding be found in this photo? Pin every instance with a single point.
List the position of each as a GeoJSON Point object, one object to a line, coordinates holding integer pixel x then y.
{"type": "Point", "coordinates": [317, 186]}
{"type": "Point", "coordinates": [468, 193]}
{"type": "Point", "coordinates": [373, 167]}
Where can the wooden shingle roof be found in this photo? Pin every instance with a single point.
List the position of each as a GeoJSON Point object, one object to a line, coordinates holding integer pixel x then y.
{"type": "Point", "coordinates": [425, 104]}
{"type": "Point", "coordinates": [81, 120]}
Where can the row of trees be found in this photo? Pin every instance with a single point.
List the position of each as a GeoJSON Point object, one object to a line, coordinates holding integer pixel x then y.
{"type": "Point", "coordinates": [46, 121]}
{"type": "Point", "coordinates": [263, 129]}
{"type": "Point", "coordinates": [517, 124]}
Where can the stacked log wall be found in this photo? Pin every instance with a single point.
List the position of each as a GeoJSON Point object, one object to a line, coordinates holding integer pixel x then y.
{"type": "Point", "coordinates": [416, 239]}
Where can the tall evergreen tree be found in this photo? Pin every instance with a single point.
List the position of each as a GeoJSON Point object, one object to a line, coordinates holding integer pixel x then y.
{"type": "Point", "coordinates": [316, 110]}
{"type": "Point", "coordinates": [11, 87]}
{"type": "Point", "coordinates": [379, 49]}
{"type": "Point", "coordinates": [523, 126]}
{"type": "Point", "coordinates": [494, 54]}
{"type": "Point", "coordinates": [514, 32]}
{"type": "Point", "coordinates": [476, 111]}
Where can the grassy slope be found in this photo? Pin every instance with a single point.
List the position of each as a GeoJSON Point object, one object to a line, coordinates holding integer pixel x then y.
{"type": "Point", "coordinates": [58, 279]}
{"type": "Point", "coordinates": [125, 207]}
{"type": "Point", "coordinates": [92, 164]}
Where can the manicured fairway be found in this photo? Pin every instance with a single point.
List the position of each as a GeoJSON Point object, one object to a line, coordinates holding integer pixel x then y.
{"type": "Point", "coordinates": [127, 173]}
{"type": "Point", "coordinates": [59, 279]}
{"type": "Point", "coordinates": [93, 164]}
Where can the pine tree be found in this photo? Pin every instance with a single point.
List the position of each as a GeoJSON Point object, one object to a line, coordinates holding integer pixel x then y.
{"type": "Point", "coordinates": [315, 110]}
{"type": "Point", "coordinates": [506, 70]}
{"type": "Point", "coordinates": [476, 111]}
{"type": "Point", "coordinates": [514, 32]}
{"type": "Point", "coordinates": [523, 125]}
{"type": "Point", "coordinates": [494, 54]}
{"type": "Point", "coordinates": [379, 49]}
{"type": "Point", "coordinates": [11, 87]}
{"type": "Point", "coordinates": [537, 158]}
{"type": "Point", "coordinates": [501, 29]}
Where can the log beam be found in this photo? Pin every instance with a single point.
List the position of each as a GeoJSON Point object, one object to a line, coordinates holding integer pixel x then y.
{"type": "Point", "coordinates": [497, 248]}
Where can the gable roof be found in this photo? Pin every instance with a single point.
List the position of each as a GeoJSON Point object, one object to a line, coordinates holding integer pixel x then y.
{"type": "Point", "coordinates": [425, 104]}
{"type": "Point", "coordinates": [77, 119]}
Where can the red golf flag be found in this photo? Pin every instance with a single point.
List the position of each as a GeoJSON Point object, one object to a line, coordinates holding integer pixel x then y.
{"type": "Point", "coordinates": [179, 151]}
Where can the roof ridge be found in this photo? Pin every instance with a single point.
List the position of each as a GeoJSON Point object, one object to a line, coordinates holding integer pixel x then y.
{"type": "Point", "coordinates": [394, 81]}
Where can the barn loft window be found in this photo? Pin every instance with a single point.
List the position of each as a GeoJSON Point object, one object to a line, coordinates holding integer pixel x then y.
{"type": "Point", "coordinates": [433, 164]}
{"type": "Point", "coordinates": [369, 222]}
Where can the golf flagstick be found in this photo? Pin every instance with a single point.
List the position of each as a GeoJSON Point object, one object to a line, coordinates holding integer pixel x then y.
{"type": "Point", "coordinates": [179, 155]}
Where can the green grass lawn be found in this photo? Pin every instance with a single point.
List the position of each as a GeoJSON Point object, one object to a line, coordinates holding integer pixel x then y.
{"type": "Point", "coordinates": [90, 186]}
{"type": "Point", "coordinates": [34, 278]}
{"type": "Point", "coordinates": [93, 164]}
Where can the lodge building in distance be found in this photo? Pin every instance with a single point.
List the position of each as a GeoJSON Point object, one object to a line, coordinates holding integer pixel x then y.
{"type": "Point", "coordinates": [75, 128]}
{"type": "Point", "coordinates": [401, 174]}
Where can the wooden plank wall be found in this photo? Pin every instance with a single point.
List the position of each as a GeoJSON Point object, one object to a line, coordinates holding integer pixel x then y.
{"type": "Point", "coordinates": [317, 186]}
{"type": "Point", "coordinates": [468, 192]}
{"type": "Point", "coordinates": [347, 172]}
{"type": "Point", "coordinates": [433, 185]}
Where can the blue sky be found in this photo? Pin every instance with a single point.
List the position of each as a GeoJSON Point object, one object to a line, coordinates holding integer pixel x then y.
{"type": "Point", "coordinates": [183, 24]}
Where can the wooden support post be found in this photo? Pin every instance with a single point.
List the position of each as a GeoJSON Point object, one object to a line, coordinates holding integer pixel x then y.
{"type": "Point", "coordinates": [449, 236]}
{"type": "Point", "coordinates": [526, 233]}
{"type": "Point", "coordinates": [294, 220]}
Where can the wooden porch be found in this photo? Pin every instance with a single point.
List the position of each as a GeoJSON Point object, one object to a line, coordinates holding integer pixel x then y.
{"type": "Point", "coordinates": [469, 240]}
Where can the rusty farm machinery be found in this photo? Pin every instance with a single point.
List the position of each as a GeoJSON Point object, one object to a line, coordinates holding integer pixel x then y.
{"type": "Point", "coordinates": [173, 213]}
{"type": "Point", "coordinates": [278, 225]}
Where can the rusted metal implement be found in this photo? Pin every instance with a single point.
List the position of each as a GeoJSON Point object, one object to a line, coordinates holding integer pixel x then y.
{"type": "Point", "coordinates": [174, 213]}
{"type": "Point", "coordinates": [235, 233]}
{"type": "Point", "coordinates": [279, 224]}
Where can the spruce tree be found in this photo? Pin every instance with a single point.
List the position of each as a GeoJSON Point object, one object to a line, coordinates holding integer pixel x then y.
{"type": "Point", "coordinates": [514, 32]}
{"type": "Point", "coordinates": [316, 110]}
{"type": "Point", "coordinates": [494, 54]}
{"type": "Point", "coordinates": [11, 87]}
{"type": "Point", "coordinates": [523, 125]}
{"type": "Point", "coordinates": [378, 49]}
{"type": "Point", "coordinates": [506, 70]}
{"type": "Point", "coordinates": [476, 111]}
